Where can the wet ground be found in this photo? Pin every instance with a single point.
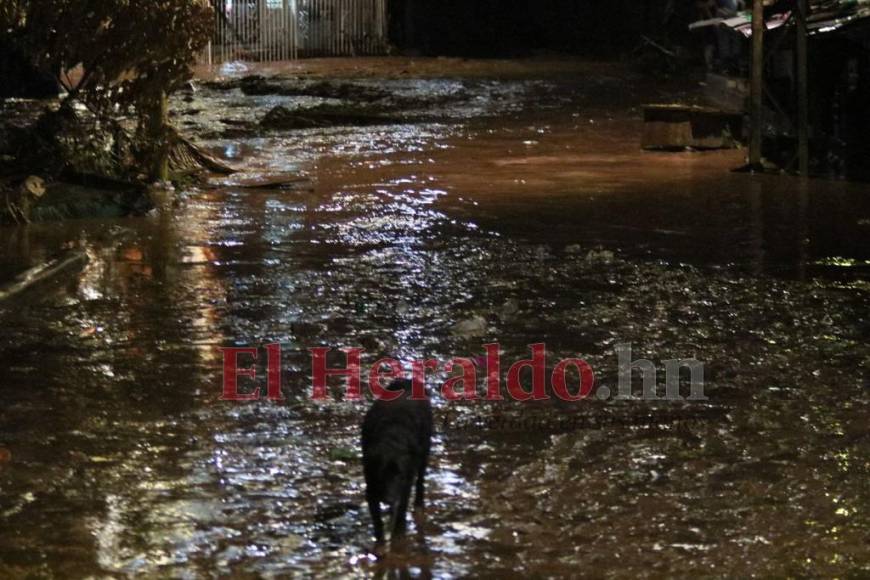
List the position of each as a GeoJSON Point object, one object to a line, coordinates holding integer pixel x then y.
{"type": "Point", "coordinates": [492, 201]}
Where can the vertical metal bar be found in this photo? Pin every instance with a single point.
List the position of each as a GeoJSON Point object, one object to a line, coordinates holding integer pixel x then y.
{"type": "Point", "coordinates": [378, 35]}
{"type": "Point", "coordinates": [271, 12]}
{"type": "Point", "coordinates": [283, 28]}
{"type": "Point", "coordinates": [216, 34]}
{"type": "Point", "coordinates": [265, 34]}
{"type": "Point", "coordinates": [756, 103]}
{"type": "Point", "coordinates": [219, 24]}
{"type": "Point", "coordinates": [267, 29]}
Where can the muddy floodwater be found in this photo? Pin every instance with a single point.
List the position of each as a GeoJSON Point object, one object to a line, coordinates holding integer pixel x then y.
{"type": "Point", "coordinates": [423, 209]}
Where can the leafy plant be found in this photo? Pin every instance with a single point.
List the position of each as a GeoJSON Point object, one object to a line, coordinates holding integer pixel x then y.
{"type": "Point", "coordinates": [114, 56]}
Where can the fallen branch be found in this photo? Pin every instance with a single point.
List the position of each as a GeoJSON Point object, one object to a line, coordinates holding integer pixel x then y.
{"type": "Point", "coordinates": [43, 272]}
{"type": "Point", "coordinates": [184, 155]}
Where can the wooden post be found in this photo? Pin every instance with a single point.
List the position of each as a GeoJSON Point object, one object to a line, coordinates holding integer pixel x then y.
{"type": "Point", "coordinates": [756, 102]}
{"type": "Point", "coordinates": [803, 90]}
{"type": "Point", "coordinates": [163, 157]}
{"type": "Point", "coordinates": [158, 120]}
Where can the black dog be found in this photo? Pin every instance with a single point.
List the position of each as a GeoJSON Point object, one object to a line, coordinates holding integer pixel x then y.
{"type": "Point", "coordinates": [396, 438]}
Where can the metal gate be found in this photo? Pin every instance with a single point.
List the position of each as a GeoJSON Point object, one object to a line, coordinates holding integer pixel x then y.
{"type": "Point", "coordinates": [276, 30]}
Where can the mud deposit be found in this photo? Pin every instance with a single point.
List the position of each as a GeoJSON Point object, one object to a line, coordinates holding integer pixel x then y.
{"type": "Point", "coordinates": [493, 201]}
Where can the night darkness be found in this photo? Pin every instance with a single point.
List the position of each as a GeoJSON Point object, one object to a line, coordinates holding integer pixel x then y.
{"type": "Point", "coordinates": [522, 27]}
{"type": "Point", "coordinates": [434, 289]}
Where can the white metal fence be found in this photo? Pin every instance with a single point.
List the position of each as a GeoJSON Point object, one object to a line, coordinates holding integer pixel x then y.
{"type": "Point", "coordinates": [275, 30]}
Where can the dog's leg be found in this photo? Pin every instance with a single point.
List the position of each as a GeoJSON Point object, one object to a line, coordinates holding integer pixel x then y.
{"type": "Point", "coordinates": [400, 510]}
{"type": "Point", "coordinates": [375, 511]}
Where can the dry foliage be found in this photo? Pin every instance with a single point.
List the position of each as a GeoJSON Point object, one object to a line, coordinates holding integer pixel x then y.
{"type": "Point", "coordinates": [127, 54]}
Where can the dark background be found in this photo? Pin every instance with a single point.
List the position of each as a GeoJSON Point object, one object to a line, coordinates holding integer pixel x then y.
{"type": "Point", "coordinates": [522, 27]}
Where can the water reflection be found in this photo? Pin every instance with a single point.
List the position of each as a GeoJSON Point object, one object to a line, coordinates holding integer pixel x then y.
{"type": "Point", "coordinates": [125, 461]}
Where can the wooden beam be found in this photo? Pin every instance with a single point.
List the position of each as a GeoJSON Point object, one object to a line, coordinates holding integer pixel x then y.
{"type": "Point", "coordinates": [803, 90]}
{"type": "Point", "coordinates": [757, 89]}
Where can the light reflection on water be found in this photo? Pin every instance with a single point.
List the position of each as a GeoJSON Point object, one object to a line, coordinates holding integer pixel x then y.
{"type": "Point", "coordinates": [124, 460]}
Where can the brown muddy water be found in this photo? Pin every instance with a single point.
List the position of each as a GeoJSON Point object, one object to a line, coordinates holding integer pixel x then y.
{"type": "Point", "coordinates": [495, 201]}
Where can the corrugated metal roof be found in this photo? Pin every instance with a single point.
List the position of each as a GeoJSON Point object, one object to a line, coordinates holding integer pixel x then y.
{"type": "Point", "coordinates": [824, 16]}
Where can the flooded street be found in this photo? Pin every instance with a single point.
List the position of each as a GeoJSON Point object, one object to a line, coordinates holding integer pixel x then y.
{"type": "Point", "coordinates": [445, 204]}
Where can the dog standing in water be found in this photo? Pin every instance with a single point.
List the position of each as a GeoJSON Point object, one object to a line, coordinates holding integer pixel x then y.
{"type": "Point", "coordinates": [396, 438]}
